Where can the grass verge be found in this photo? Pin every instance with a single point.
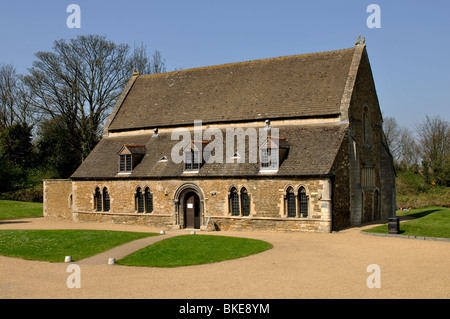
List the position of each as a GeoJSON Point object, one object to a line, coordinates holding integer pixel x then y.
{"type": "Point", "coordinates": [54, 245]}
{"type": "Point", "coordinates": [431, 221]}
{"type": "Point", "coordinates": [189, 250]}
{"type": "Point", "coordinates": [15, 210]}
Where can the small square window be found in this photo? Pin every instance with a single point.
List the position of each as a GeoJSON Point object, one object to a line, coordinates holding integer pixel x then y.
{"type": "Point", "coordinates": [130, 156]}
{"type": "Point", "coordinates": [126, 163]}
{"type": "Point", "coordinates": [191, 160]}
{"type": "Point", "coordinates": [269, 159]}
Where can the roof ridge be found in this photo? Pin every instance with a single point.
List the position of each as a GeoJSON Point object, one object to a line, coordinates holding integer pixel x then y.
{"type": "Point", "coordinates": [224, 65]}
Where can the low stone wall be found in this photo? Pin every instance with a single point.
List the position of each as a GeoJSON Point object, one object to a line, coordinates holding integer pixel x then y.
{"type": "Point", "coordinates": [272, 224]}
{"type": "Point", "coordinates": [151, 220]}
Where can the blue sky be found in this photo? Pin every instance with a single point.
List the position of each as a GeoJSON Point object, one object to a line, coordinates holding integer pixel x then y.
{"type": "Point", "coordinates": [409, 54]}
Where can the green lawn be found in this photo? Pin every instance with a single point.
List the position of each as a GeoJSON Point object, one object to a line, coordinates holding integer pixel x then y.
{"type": "Point", "coordinates": [54, 245]}
{"type": "Point", "coordinates": [432, 221]}
{"type": "Point", "coordinates": [14, 210]}
{"type": "Point", "coordinates": [188, 250]}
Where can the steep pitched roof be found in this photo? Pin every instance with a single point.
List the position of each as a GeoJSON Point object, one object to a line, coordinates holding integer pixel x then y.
{"type": "Point", "coordinates": [318, 85]}
{"type": "Point", "coordinates": [298, 86]}
{"type": "Point", "coordinates": [312, 151]}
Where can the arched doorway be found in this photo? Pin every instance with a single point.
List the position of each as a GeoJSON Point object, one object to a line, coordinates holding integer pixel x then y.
{"type": "Point", "coordinates": [191, 210]}
{"type": "Point", "coordinates": [189, 206]}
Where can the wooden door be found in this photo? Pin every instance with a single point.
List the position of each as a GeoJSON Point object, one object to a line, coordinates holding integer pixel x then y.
{"type": "Point", "coordinates": [192, 211]}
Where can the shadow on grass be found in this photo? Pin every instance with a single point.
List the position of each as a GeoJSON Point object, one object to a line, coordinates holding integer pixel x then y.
{"type": "Point", "coordinates": [423, 213]}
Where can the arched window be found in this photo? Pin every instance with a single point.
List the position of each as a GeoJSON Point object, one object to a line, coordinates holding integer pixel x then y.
{"type": "Point", "coordinates": [303, 202]}
{"type": "Point", "coordinates": [148, 200]}
{"type": "Point", "coordinates": [139, 199]}
{"type": "Point", "coordinates": [234, 202]}
{"type": "Point", "coordinates": [245, 200]}
{"type": "Point", "coordinates": [106, 200]}
{"type": "Point", "coordinates": [98, 200]}
{"type": "Point", "coordinates": [290, 198]}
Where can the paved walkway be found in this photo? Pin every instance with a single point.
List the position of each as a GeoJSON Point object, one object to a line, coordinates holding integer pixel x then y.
{"type": "Point", "coordinates": [300, 265]}
{"type": "Point", "coordinates": [124, 250]}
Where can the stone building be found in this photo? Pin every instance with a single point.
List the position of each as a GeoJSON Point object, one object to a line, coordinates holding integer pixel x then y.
{"type": "Point", "coordinates": [320, 161]}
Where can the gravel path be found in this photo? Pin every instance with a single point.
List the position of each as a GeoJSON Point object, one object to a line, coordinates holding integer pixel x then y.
{"type": "Point", "coordinates": [300, 265]}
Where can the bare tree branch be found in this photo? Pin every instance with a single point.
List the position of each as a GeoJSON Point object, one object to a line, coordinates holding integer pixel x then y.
{"type": "Point", "coordinates": [79, 82]}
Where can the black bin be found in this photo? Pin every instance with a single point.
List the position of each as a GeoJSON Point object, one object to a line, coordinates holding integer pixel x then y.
{"type": "Point", "coordinates": [394, 225]}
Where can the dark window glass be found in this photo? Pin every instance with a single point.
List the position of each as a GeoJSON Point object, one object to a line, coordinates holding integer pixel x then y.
{"type": "Point", "coordinates": [139, 201]}
{"type": "Point", "coordinates": [291, 203]}
{"type": "Point", "coordinates": [122, 163]}
{"type": "Point", "coordinates": [128, 163]}
{"type": "Point", "coordinates": [303, 201]}
{"type": "Point", "coordinates": [192, 160]}
{"type": "Point", "coordinates": [274, 158]}
{"type": "Point", "coordinates": [269, 158]}
{"type": "Point", "coordinates": [245, 199]}
{"type": "Point", "coordinates": [188, 160]}
{"type": "Point", "coordinates": [265, 158]}
{"type": "Point", "coordinates": [148, 201]}
{"type": "Point", "coordinates": [234, 202]}
{"type": "Point", "coordinates": [195, 161]}
{"type": "Point", "coordinates": [98, 200]}
{"type": "Point", "coordinates": [106, 201]}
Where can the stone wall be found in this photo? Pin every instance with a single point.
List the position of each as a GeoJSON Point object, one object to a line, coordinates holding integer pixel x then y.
{"type": "Point", "coordinates": [267, 203]}
{"type": "Point", "coordinates": [341, 186]}
{"type": "Point", "coordinates": [58, 199]}
{"type": "Point", "coordinates": [388, 187]}
{"type": "Point", "coordinates": [367, 200]}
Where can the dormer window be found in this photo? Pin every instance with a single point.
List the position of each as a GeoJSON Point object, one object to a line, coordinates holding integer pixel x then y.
{"type": "Point", "coordinates": [272, 152]}
{"type": "Point", "coordinates": [130, 156]}
{"type": "Point", "coordinates": [269, 158]}
{"type": "Point", "coordinates": [125, 163]}
{"type": "Point", "coordinates": [191, 160]}
{"type": "Point", "coordinates": [192, 157]}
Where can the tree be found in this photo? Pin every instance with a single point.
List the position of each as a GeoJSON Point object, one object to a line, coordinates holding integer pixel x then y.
{"type": "Point", "coordinates": [16, 155]}
{"type": "Point", "coordinates": [8, 81]}
{"type": "Point", "coordinates": [14, 98]}
{"type": "Point", "coordinates": [78, 83]}
{"type": "Point", "coordinates": [392, 132]}
{"type": "Point", "coordinates": [53, 151]}
{"type": "Point", "coordinates": [409, 152]}
{"type": "Point", "coordinates": [80, 80]}
{"type": "Point", "coordinates": [401, 142]}
{"type": "Point", "coordinates": [157, 63]}
{"type": "Point", "coordinates": [434, 143]}
{"type": "Point", "coordinates": [141, 63]}
{"type": "Point", "coordinates": [16, 146]}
